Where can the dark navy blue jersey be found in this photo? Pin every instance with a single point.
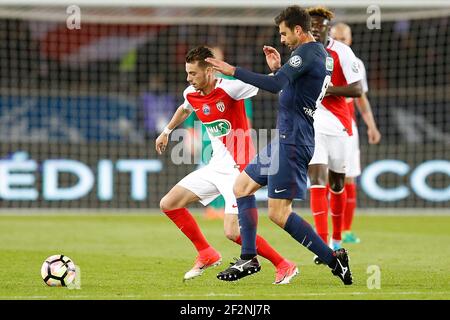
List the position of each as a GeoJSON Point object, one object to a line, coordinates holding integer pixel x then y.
{"type": "Point", "coordinates": [309, 73]}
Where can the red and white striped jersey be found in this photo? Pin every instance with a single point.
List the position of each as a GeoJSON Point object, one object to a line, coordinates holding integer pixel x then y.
{"type": "Point", "coordinates": [222, 112]}
{"type": "Point", "coordinates": [332, 116]}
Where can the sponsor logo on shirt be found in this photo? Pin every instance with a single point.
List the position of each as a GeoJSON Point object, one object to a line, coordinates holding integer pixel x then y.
{"type": "Point", "coordinates": [309, 112]}
{"type": "Point", "coordinates": [218, 128]}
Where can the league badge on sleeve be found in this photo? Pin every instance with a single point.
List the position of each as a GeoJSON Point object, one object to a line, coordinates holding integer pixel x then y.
{"type": "Point", "coordinates": [295, 61]}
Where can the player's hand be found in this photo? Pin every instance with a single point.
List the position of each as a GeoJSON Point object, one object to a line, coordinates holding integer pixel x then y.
{"type": "Point", "coordinates": [221, 66]}
{"type": "Point", "coordinates": [373, 135]}
{"type": "Point", "coordinates": [161, 143]}
{"type": "Point", "coordinates": [273, 58]}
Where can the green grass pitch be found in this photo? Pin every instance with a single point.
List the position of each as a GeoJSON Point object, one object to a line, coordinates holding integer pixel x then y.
{"type": "Point", "coordinates": [144, 256]}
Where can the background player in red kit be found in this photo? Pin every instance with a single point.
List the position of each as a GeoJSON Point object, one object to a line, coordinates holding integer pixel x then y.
{"type": "Point", "coordinates": [342, 32]}
{"type": "Point", "coordinates": [219, 104]}
{"type": "Point", "coordinates": [333, 128]}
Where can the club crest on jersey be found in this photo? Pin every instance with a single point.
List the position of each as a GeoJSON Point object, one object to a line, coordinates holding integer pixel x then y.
{"type": "Point", "coordinates": [206, 109]}
{"type": "Point", "coordinates": [218, 128]}
{"type": "Point", "coordinates": [295, 61]}
{"type": "Point", "coordinates": [220, 106]}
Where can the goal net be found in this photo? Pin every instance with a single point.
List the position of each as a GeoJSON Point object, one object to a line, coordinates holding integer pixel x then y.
{"type": "Point", "coordinates": [84, 92]}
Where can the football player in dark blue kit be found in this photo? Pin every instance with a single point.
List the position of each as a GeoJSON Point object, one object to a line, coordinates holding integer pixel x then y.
{"type": "Point", "coordinates": [303, 81]}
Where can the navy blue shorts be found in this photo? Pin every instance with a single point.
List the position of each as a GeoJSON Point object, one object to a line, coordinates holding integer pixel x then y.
{"type": "Point", "coordinates": [283, 168]}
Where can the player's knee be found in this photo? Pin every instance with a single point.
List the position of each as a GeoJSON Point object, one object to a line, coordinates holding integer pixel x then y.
{"type": "Point", "coordinates": [317, 175]}
{"type": "Point", "coordinates": [272, 216]}
{"type": "Point", "coordinates": [336, 181]}
{"type": "Point", "coordinates": [279, 212]}
{"type": "Point", "coordinates": [276, 216]}
{"type": "Point", "coordinates": [337, 186]}
{"type": "Point", "coordinates": [232, 235]}
{"type": "Point", "coordinates": [317, 180]}
{"type": "Point", "coordinates": [231, 231]}
{"type": "Point", "coordinates": [349, 180]}
{"type": "Point", "coordinates": [239, 191]}
{"type": "Point", "coordinates": [165, 204]}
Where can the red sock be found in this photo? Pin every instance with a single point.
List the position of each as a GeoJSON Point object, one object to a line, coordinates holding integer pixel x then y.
{"type": "Point", "coordinates": [265, 250]}
{"type": "Point", "coordinates": [349, 212]}
{"type": "Point", "coordinates": [337, 207]}
{"type": "Point", "coordinates": [319, 208]}
{"type": "Point", "coordinates": [187, 224]}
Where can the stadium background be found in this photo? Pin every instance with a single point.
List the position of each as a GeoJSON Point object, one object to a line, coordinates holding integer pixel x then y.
{"type": "Point", "coordinates": [92, 100]}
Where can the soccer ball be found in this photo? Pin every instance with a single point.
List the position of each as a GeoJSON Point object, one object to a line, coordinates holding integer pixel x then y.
{"type": "Point", "coordinates": [58, 271]}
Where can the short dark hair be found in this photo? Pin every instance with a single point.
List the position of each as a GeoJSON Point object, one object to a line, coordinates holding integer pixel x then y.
{"type": "Point", "coordinates": [294, 16]}
{"type": "Point", "coordinates": [321, 11]}
{"type": "Point", "coordinates": [199, 54]}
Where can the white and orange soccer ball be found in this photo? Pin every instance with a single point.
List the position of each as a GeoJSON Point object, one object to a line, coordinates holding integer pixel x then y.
{"type": "Point", "coordinates": [58, 271]}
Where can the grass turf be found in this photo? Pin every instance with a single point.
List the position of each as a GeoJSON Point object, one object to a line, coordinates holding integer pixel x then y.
{"type": "Point", "coordinates": [146, 256]}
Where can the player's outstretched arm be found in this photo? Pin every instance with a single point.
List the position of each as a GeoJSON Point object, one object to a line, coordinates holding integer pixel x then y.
{"type": "Point", "coordinates": [272, 84]}
{"type": "Point", "coordinates": [352, 90]}
{"type": "Point", "coordinates": [178, 117]}
{"type": "Point", "coordinates": [363, 105]}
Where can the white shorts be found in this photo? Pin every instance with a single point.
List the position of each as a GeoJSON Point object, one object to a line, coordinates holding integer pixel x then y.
{"type": "Point", "coordinates": [332, 151]}
{"type": "Point", "coordinates": [354, 160]}
{"type": "Point", "coordinates": [209, 182]}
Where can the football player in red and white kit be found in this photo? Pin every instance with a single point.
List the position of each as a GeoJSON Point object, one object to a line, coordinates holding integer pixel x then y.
{"type": "Point", "coordinates": [342, 32]}
{"type": "Point", "coordinates": [219, 104]}
{"type": "Point", "coordinates": [333, 129]}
